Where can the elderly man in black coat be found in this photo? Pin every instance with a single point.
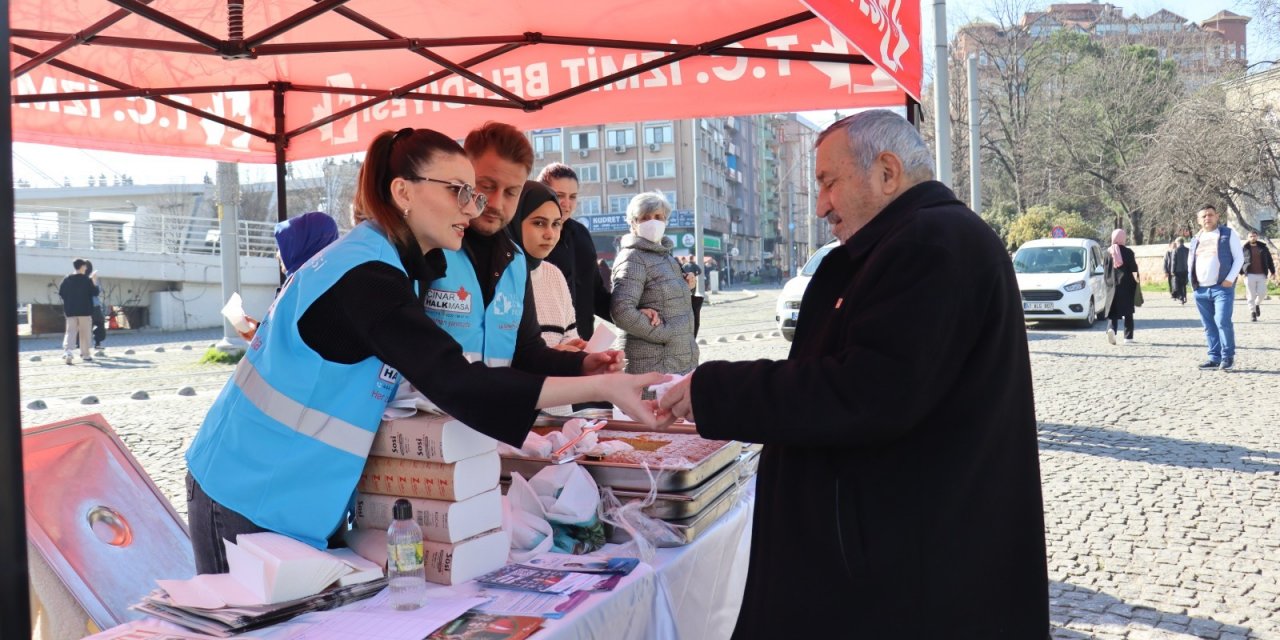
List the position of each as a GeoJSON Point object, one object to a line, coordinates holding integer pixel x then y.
{"type": "Point", "coordinates": [899, 488]}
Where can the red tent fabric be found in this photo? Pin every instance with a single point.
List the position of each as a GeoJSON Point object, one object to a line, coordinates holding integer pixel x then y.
{"type": "Point", "coordinates": [302, 79]}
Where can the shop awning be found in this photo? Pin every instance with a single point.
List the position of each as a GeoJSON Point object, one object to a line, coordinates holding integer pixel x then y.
{"type": "Point", "coordinates": [320, 78]}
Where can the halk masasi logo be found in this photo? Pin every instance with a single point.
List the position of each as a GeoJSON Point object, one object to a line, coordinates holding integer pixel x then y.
{"type": "Point", "coordinates": [893, 38]}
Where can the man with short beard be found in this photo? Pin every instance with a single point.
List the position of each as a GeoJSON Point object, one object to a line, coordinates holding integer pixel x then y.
{"type": "Point", "coordinates": [484, 300]}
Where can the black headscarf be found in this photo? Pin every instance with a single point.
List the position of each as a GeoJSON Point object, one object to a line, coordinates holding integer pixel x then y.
{"type": "Point", "coordinates": [535, 195]}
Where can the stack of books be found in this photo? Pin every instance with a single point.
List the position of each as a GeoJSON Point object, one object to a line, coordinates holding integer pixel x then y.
{"type": "Point", "coordinates": [449, 473]}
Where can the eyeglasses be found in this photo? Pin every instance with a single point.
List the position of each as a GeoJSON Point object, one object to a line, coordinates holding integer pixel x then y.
{"type": "Point", "coordinates": [466, 193]}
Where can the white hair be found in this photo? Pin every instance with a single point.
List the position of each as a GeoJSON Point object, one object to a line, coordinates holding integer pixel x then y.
{"type": "Point", "coordinates": [879, 130]}
{"type": "Point", "coordinates": [645, 203]}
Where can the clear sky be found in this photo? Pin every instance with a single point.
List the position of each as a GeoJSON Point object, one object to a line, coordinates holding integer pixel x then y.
{"type": "Point", "coordinates": [34, 162]}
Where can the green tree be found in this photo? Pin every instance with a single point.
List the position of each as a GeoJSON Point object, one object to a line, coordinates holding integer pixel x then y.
{"type": "Point", "coordinates": [1111, 101]}
{"type": "Point", "coordinates": [1039, 221]}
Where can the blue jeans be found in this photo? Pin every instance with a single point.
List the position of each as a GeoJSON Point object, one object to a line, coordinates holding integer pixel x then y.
{"type": "Point", "coordinates": [1215, 304]}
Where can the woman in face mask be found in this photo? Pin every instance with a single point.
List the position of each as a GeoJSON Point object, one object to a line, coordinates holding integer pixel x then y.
{"type": "Point", "coordinates": [647, 276]}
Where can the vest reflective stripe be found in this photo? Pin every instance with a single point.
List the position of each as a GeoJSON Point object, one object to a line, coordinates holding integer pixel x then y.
{"type": "Point", "coordinates": [309, 422]}
{"type": "Point", "coordinates": [286, 440]}
{"type": "Point", "coordinates": [486, 333]}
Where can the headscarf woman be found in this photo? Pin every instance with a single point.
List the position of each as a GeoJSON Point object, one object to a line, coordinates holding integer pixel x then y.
{"type": "Point", "coordinates": [1123, 267]}
{"type": "Point", "coordinates": [536, 228]}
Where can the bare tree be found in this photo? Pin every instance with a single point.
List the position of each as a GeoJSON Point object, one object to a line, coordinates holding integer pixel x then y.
{"type": "Point", "coordinates": [1209, 151]}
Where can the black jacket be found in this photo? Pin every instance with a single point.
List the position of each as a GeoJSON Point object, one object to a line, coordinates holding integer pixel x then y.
{"type": "Point", "coordinates": [77, 291]}
{"type": "Point", "coordinates": [1268, 265]}
{"type": "Point", "coordinates": [1175, 262]}
{"type": "Point", "coordinates": [575, 256]}
{"type": "Point", "coordinates": [372, 311]}
{"type": "Point", "coordinates": [899, 488]}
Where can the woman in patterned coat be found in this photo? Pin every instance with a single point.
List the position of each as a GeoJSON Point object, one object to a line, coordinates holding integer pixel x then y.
{"type": "Point", "coordinates": [647, 276]}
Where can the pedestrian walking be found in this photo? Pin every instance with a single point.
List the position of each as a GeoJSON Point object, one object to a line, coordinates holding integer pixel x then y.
{"type": "Point", "coordinates": [1175, 268]}
{"type": "Point", "coordinates": [97, 318]}
{"type": "Point", "coordinates": [1216, 257]}
{"type": "Point", "coordinates": [77, 291]}
{"type": "Point", "coordinates": [1123, 267]}
{"type": "Point", "coordinates": [1258, 266]}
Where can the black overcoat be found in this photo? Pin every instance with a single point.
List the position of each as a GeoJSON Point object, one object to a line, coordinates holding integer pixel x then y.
{"type": "Point", "coordinates": [899, 489]}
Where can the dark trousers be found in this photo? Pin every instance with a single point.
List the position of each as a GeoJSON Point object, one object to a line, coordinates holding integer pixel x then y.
{"type": "Point", "coordinates": [1178, 286]}
{"type": "Point", "coordinates": [1128, 325]}
{"type": "Point", "coordinates": [210, 522]}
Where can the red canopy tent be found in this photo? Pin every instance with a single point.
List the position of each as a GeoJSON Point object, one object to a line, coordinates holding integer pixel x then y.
{"type": "Point", "coordinates": [295, 79]}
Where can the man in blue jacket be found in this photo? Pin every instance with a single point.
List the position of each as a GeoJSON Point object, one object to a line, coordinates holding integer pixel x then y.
{"type": "Point", "coordinates": [1216, 258]}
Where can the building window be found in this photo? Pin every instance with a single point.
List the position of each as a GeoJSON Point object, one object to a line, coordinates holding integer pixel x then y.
{"type": "Point", "coordinates": [618, 204]}
{"type": "Point", "coordinates": [549, 143]}
{"type": "Point", "coordinates": [620, 137]}
{"type": "Point", "coordinates": [660, 168]}
{"type": "Point", "coordinates": [584, 140]}
{"type": "Point", "coordinates": [587, 172]}
{"type": "Point", "coordinates": [622, 171]}
{"type": "Point", "coordinates": [589, 205]}
{"type": "Point", "coordinates": [658, 134]}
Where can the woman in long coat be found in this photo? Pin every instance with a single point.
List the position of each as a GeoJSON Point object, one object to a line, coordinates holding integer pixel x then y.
{"type": "Point", "coordinates": [1123, 267]}
{"type": "Point", "coordinates": [647, 276]}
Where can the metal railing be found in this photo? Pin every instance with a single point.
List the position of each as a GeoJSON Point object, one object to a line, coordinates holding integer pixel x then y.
{"type": "Point", "coordinates": [136, 232]}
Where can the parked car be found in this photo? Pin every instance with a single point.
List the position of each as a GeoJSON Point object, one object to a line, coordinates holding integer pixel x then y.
{"type": "Point", "coordinates": [1062, 279]}
{"type": "Point", "coordinates": [788, 307]}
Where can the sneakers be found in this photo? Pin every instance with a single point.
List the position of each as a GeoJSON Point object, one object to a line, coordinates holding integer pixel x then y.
{"type": "Point", "coordinates": [86, 359]}
{"type": "Point", "coordinates": [1227, 364]}
{"type": "Point", "coordinates": [1210, 364]}
{"type": "Point", "coordinates": [1253, 315]}
{"type": "Point", "coordinates": [1130, 341]}
{"type": "Point", "coordinates": [1111, 335]}
{"type": "Point", "coordinates": [67, 358]}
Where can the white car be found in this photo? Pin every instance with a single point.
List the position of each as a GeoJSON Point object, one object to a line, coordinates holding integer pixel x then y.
{"type": "Point", "coordinates": [788, 307]}
{"type": "Point", "coordinates": [1062, 279]}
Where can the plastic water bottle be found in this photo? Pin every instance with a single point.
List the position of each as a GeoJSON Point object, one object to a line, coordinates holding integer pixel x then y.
{"type": "Point", "coordinates": [406, 575]}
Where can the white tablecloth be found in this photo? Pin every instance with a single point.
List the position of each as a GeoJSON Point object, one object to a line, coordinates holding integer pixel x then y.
{"type": "Point", "coordinates": [691, 592]}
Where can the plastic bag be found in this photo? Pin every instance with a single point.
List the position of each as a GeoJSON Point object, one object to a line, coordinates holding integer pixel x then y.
{"type": "Point", "coordinates": [567, 499]}
{"type": "Point", "coordinates": [647, 532]}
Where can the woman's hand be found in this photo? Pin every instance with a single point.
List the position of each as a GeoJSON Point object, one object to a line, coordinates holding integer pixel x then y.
{"type": "Point", "coordinates": [602, 362]}
{"type": "Point", "coordinates": [652, 315]}
{"type": "Point", "coordinates": [624, 390]}
{"type": "Point", "coordinates": [248, 335]}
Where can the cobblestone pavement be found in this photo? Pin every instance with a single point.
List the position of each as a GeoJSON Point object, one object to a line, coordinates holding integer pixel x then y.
{"type": "Point", "coordinates": [1161, 482]}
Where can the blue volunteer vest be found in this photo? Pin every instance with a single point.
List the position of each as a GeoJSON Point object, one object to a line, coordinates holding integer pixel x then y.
{"type": "Point", "coordinates": [456, 304]}
{"type": "Point", "coordinates": [1224, 266]}
{"type": "Point", "coordinates": [287, 438]}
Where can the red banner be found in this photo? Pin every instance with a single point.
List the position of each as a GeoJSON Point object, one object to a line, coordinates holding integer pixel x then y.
{"type": "Point", "coordinates": [693, 87]}
{"type": "Point", "coordinates": [887, 32]}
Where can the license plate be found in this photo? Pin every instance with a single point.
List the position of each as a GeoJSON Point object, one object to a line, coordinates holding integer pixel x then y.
{"type": "Point", "coordinates": [1037, 306]}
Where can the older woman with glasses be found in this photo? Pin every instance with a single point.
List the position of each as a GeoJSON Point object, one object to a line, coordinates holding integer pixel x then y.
{"type": "Point", "coordinates": [283, 446]}
{"type": "Point", "coordinates": [647, 276]}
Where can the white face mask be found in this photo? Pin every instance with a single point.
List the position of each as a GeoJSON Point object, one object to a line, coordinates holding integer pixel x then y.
{"type": "Point", "coordinates": [651, 230]}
